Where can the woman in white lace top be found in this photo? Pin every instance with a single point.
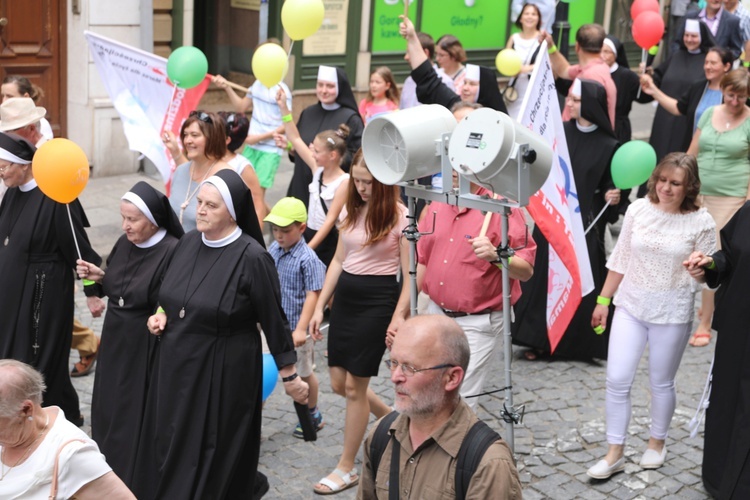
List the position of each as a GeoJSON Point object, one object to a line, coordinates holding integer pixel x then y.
{"type": "Point", "coordinates": [654, 299]}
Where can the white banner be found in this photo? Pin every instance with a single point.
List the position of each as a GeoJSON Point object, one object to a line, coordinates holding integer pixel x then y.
{"type": "Point", "coordinates": [555, 207]}
{"type": "Point", "coordinates": [137, 83]}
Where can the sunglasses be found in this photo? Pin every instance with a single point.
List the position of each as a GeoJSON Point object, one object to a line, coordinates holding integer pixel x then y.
{"type": "Point", "coordinates": [202, 116]}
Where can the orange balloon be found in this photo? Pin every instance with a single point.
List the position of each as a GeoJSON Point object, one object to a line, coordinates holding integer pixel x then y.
{"type": "Point", "coordinates": [61, 169]}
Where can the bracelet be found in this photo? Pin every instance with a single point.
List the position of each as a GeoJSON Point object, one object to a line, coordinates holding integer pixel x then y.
{"type": "Point", "coordinates": [288, 146]}
{"type": "Point", "coordinates": [712, 265]}
{"type": "Point", "coordinates": [603, 301]}
{"type": "Point", "coordinates": [289, 378]}
{"type": "Point", "coordinates": [160, 309]}
{"type": "Point", "coordinates": [286, 118]}
{"type": "Point", "coordinates": [88, 282]}
{"type": "Point", "coordinates": [499, 263]}
{"type": "Point", "coordinates": [552, 49]}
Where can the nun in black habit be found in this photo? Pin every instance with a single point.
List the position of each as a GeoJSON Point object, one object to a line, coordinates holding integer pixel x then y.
{"type": "Point", "coordinates": [591, 144]}
{"type": "Point", "coordinates": [726, 447]}
{"type": "Point", "coordinates": [220, 284]}
{"type": "Point", "coordinates": [674, 77]}
{"type": "Point", "coordinates": [480, 83]}
{"type": "Point", "coordinates": [128, 351]}
{"type": "Point", "coordinates": [37, 258]}
{"type": "Point", "coordinates": [336, 105]}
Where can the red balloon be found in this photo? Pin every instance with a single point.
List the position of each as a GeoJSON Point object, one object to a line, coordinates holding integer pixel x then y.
{"type": "Point", "coordinates": [640, 6]}
{"type": "Point", "coordinates": [648, 29]}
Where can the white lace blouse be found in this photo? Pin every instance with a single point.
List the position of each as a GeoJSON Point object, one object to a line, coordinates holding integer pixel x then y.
{"type": "Point", "coordinates": [652, 245]}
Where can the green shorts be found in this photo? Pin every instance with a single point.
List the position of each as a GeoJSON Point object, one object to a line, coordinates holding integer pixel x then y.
{"type": "Point", "coordinates": [265, 165]}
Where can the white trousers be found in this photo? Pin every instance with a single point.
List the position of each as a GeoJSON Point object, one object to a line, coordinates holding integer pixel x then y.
{"type": "Point", "coordinates": [627, 342]}
{"type": "Point", "coordinates": [483, 332]}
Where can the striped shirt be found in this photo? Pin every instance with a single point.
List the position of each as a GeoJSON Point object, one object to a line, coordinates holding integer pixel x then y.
{"type": "Point", "coordinates": [300, 271]}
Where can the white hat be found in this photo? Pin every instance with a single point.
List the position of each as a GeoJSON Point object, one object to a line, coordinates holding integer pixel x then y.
{"type": "Point", "coordinates": [609, 43]}
{"type": "Point", "coordinates": [328, 74]}
{"type": "Point", "coordinates": [18, 112]}
{"type": "Point", "coordinates": [576, 88]}
{"type": "Point", "coordinates": [692, 26]}
{"type": "Point", "coordinates": [472, 72]}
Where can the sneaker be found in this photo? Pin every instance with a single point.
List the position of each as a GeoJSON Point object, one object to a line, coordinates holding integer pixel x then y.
{"type": "Point", "coordinates": [317, 419]}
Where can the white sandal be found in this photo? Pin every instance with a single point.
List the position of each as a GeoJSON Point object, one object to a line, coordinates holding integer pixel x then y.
{"type": "Point", "coordinates": [335, 487]}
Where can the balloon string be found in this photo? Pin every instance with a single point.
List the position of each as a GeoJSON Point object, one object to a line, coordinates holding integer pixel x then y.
{"type": "Point", "coordinates": [644, 56]}
{"type": "Point", "coordinates": [601, 212]}
{"type": "Point", "coordinates": [72, 229]}
{"type": "Point", "coordinates": [289, 54]}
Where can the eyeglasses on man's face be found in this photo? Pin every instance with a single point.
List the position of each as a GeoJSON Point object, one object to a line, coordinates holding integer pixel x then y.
{"type": "Point", "coordinates": [410, 371]}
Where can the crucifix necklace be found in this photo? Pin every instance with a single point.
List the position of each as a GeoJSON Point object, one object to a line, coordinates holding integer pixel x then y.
{"type": "Point", "coordinates": [15, 219]}
{"type": "Point", "coordinates": [187, 298]}
{"type": "Point", "coordinates": [124, 286]}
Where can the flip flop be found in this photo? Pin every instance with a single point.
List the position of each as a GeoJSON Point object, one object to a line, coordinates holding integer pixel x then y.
{"type": "Point", "coordinates": [697, 340]}
{"type": "Point", "coordinates": [334, 487]}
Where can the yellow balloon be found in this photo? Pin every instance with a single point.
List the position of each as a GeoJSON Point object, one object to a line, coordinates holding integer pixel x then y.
{"type": "Point", "coordinates": [302, 18]}
{"type": "Point", "coordinates": [61, 169]}
{"type": "Point", "coordinates": [508, 62]}
{"type": "Point", "coordinates": [270, 64]}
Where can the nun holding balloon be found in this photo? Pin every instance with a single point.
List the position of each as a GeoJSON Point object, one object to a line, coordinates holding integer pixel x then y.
{"type": "Point", "coordinates": [41, 236]}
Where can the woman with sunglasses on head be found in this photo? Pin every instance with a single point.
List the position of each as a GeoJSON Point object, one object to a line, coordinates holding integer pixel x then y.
{"type": "Point", "coordinates": [204, 139]}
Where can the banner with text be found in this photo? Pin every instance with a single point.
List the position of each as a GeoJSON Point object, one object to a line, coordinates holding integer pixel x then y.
{"type": "Point", "coordinates": [143, 96]}
{"type": "Point", "coordinates": [555, 207]}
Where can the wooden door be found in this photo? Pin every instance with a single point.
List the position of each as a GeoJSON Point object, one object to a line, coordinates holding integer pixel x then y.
{"type": "Point", "coordinates": [32, 44]}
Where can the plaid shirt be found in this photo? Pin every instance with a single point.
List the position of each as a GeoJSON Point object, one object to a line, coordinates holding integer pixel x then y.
{"type": "Point", "coordinates": [744, 16]}
{"type": "Point", "coordinates": [300, 271]}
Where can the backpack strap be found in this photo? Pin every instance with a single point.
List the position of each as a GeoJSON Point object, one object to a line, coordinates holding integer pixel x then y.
{"type": "Point", "coordinates": [479, 438]}
{"type": "Point", "coordinates": [379, 441]}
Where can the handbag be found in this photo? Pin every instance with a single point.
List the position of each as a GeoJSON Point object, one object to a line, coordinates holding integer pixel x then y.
{"type": "Point", "coordinates": [510, 94]}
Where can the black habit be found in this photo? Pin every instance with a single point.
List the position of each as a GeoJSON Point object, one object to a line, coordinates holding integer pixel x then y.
{"type": "Point", "coordinates": [726, 449]}
{"type": "Point", "coordinates": [128, 350]}
{"type": "Point", "coordinates": [590, 157]}
{"type": "Point", "coordinates": [314, 120]}
{"type": "Point", "coordinates": [37, 262]}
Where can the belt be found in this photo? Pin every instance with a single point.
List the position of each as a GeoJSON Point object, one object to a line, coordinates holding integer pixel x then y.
{"type": "Point", "coordinates": [459, 314]}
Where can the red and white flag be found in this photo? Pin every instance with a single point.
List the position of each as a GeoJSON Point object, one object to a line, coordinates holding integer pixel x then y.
{"type": "Point", "coordinates": [555, 207]}
{"type": "Point", "coordinates": [147, 102]}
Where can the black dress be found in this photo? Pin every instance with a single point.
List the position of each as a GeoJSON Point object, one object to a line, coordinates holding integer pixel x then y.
{"type": "Point", "coordinates": [627, 84]}
{"type": "Point", "coordinates": [674, 77]}
{"type": "Point", "coordinates": [37, 261]}
{"type": "Point", "coordinates": [128, 351]}
{"type": "Point", "coordinates": [207, 410]}
{"type": "Point", "coordinates": [726, 449]}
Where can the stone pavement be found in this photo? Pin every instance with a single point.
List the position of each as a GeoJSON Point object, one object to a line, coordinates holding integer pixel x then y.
{"type": "Point", "coordinates": [562, 433]}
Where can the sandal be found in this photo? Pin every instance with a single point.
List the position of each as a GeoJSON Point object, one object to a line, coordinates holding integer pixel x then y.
{"type": "Point", "coordinates": [349, 478]}
{"type": "Point", "coordinates": [86, 365]}
{"type": "Point", "coordinates": [700, 339]}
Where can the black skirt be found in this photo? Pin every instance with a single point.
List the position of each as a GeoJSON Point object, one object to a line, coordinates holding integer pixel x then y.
{"type": "Point", "coordinates": [327, 248]}
{"type": "Point", "coordinates": [361, 312]}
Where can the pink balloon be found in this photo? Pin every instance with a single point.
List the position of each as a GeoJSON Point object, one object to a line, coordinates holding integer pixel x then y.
{"type": "Point", "coordinates": [648, 29]}
{"type": "Point", "coordinates": [640, 6]}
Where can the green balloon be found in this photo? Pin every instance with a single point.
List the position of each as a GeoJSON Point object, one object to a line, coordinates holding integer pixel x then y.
{"type": "Point", "coordinates": [187, 67]}
{"type": "Point", "coordinates": [632, 164]}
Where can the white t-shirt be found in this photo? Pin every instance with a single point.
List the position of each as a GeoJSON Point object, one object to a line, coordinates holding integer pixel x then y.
{"type": "Point", "coordinates": [316, 216]}
{"type": "Point", "coordinates": [266, 114]}
{"type": "Point", "coordinates": [79, 464]}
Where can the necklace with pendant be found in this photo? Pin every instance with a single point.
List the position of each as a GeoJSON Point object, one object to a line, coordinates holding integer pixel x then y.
{"type": "Point", "coordinates": [26, 453]}
{"type": "Point", "coordinates": [187, 298]}
{"type": "Point", "coordinates": [124, 286]}
{"type": "Point", "coordinates": [15, 220]}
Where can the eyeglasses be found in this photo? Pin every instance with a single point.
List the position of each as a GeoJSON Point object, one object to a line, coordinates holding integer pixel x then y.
{"type": "Point", "coordinates": [6, 167]}
{"type": "Point", "coordinates": [410, 371]}
{"type": "Point", "coordinates": [202, 116]}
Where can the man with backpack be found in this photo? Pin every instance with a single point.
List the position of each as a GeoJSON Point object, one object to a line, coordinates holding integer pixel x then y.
{"type": "Point", "coordinates": [434, 444]}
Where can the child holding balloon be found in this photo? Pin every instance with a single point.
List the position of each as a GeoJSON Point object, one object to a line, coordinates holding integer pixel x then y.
{"type": "Point", "coordinates": [382, 96]}
{"type": "Point", "coordinates": [655, 297]}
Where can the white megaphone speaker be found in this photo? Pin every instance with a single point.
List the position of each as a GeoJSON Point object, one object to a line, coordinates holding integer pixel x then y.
{"type": "Point", "coordinates": [401, 146]}
{"type": "Point", "coordinates": [485, 149]}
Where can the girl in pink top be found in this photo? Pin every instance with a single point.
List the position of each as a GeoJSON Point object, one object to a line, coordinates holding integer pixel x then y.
{"type": "Point", "coordinates": [369, 302]}
{"type": "Point", "coordinates": [383, 96]}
